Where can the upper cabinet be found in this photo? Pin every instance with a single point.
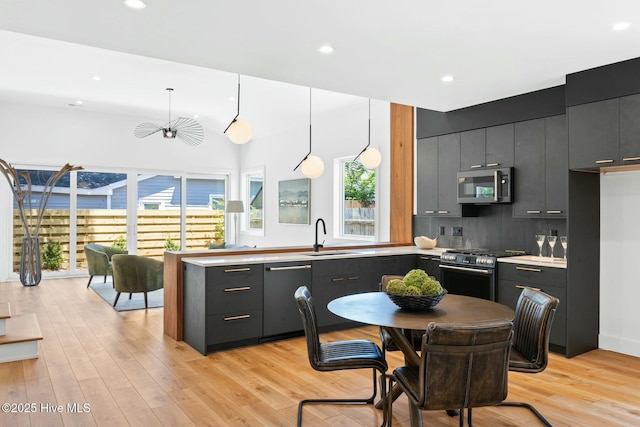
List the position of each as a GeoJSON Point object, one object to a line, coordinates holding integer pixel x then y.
{"type": "Point", "coordinates": [541, 168]}
{"type": "Point", "coordinates": [630, 129]}
{"type": "Point", "coordinates": [605, 133]}
{"type": "Point", "coordinates": [438, 162]}
{"type": "Point", "coordinates": [487, 148]}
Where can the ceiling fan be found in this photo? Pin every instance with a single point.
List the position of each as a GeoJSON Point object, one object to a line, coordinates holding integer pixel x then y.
{"type": "Point", "coordinates": [188, 130]}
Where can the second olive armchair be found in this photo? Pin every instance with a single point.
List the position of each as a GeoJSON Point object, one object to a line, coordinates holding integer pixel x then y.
{"type": "Point", "coordinates": [134, 273]}
{"type": "Point", "coordinates": [99, 260]}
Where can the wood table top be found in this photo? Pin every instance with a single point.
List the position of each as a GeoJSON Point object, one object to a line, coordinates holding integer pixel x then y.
{"type": "Point", "coordinates": [375, 308]}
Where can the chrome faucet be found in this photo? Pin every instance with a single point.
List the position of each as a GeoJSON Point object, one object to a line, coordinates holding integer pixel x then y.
{"type": "Point", "coordinates": [317, 246]}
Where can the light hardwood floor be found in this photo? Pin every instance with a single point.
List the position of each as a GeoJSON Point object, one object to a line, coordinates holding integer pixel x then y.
{"type": "Point", "coordinates": [129, 373]}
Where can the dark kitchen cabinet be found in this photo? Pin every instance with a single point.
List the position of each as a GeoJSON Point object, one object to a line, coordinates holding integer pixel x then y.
{"type": "Point", "coordinates": [222, 306]}
{"type": "Point", "coordinates": [553, 281]}
{"type": "Point", "coordinates": [473, 149]}
{"type": "Point", "coordinates": [529, 177]}
{"type": "Point", "coordinates": [541, 168]}
{"type": "Point", "coordinates": [280, 310]}
{"type": "Point", "coordinates": [594, 134]}
{"type": "Point", "coordinates": [499, 146]}
{"type": "Point", "coordinates": [630, 129]}
{"type": "Point", "coordinates": [394, 265]}
{"type": "Point", "coordinates": [487, 148]}
{"type": "Point", "coordinates": [338, 277]}
{"type": "Point", "coordinates": [438, 162]}
{"type": "Point", "coordinates": [427, 176]}
{"type": "Point", "coordinates": [448, 167]}
{"type": "Point", "coordinates": [430, 264]}
{"type": "Point", "coordinates": [556, 165]}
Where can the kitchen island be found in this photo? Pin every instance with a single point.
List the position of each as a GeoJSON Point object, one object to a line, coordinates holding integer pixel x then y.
{"type": "Point", "coordinates": [174, 268]}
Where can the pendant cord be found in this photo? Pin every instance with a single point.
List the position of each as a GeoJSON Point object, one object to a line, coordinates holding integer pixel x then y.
{"type": "Point", "coordinates": [368, 136]}
{"type": "Point", "coordinates": [305, 157]}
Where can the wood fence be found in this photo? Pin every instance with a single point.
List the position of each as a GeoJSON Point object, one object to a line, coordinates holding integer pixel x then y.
{"type": "Point", "coordinates": [106, 226]}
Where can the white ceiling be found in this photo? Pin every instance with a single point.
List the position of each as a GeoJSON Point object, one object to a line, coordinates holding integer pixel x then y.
{"type": "Point", "coordinates": [394, 51]}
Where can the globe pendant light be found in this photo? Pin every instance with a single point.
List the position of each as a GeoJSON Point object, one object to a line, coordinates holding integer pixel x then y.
{"type": "Point", "coordinates": [312, 166]}
{"type": "Point", "coordinates": [239, 130]}
{"type": "Point", "coordinates": [370, 157]}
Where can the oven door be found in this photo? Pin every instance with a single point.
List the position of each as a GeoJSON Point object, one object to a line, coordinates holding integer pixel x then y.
{"type": "Point", "coordinates": [476, 282]}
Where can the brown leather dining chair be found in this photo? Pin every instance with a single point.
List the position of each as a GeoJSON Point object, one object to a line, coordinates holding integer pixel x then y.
{"type": "Point", "coordinates": [462, 365]}
{"type": "Point", "coordinates": [338, 355]}
{"type": "Point", "coordinates": [530, 349]}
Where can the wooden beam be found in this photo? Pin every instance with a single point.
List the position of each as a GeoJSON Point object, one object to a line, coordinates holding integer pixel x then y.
{"type": "Point", "coordinates": [401, 200]}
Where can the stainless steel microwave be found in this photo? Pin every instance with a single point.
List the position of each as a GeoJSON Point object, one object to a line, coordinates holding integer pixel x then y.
{"type": "Point", "coordinates": [485, 186]}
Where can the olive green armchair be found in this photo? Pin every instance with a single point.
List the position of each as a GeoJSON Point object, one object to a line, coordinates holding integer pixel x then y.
{"type": "Point", "coordinates": [134, 273]}
{"type": "Point", "coordinates": [99, 260]}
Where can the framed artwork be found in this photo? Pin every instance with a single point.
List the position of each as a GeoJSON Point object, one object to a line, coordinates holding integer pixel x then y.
{"type": "Point", "coordinates": [293, 201]}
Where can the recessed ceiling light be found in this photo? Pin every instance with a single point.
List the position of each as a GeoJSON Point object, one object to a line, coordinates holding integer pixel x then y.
{"type": "Point", "coordinates": [79, 102]}
{"type": "Point", "coordinates": [621, 26]}
{"type": "Point", "coordinates": [447, 79]}
{"type": "Point", "coordinates": [96, 78]}
{"type": "Point", "coordinates": [325, 49]}
{"type": "Point", "coordinates": [135, 4]}
{"type": "Point", "coordinates": [231, 98]}
{"type": "Point", "coordinates": [195, 116]}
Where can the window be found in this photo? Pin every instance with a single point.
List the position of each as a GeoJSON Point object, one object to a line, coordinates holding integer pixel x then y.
{"type": "Point", "coordinates": [253, 190]}
{"type": "Point", "coordinates": [357, 197]}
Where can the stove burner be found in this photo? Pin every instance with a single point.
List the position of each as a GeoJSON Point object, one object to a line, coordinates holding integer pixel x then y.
{"type": "Point", "coordinates": [485, 252]}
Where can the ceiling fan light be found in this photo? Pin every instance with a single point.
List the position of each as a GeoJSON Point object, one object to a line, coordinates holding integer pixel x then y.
{"type": "Point", "coordinates": [312, 167]}
{"type": "Point", "coordinates": [169, 133]}
{"type": "Point", "coordinates": [371, 158]}
{"type": "Point", "coordinates": [239, 132]}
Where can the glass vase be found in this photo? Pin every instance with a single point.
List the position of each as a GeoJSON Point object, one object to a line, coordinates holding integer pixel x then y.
{"type": "Point", "coordinates": [30, 268]}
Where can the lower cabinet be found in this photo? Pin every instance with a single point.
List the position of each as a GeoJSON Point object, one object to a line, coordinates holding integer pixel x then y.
{"type": "Point", "coordinates": [430, 264]}
{"type": "Point", "coordinates": [222, 306]}
{"type": "Point", "coordinates": [238, 305]}
{"type": "Point", "coordinates": [553, 281]}
{"type": "Point", "coordinates": [338, 277]}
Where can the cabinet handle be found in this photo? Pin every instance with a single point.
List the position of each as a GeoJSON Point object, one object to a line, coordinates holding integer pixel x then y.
{"type": "Point", "coordinates": [243, 288]}
{"type": "Point", "coordinates": [475, 166]}
{"type": "Point", "coordinates": [291, 267]}
{"type": "Point", "coordinates": [443, 212]}
{"type": "Point", "coordinates": [496, 176]}
{"type": "Point", "coordinates": [429, 212]}
{"type": "Point", "coordinates": [243, 316]}
{"type": "Point", "coordinates": [535, 270]}
{"type": "Point", "coordinates": [531, 287]}
{"type": "Point", "coordinates": [337, 279]}
{"type": "Point", "coordinates": [236, 270]}
{"type": "Point", "coordinates": [491, 165]}
{"type": "Point", "coordinates": [534, 212]}
{"type": "Point", "coordinates": [554, 212]}
{"type": "Point", "coordinates": [604, 161]}
{"type": "Point", "coordinates": [630, 159]}
{"type": "Point", "coordinates": [426, 258]}
{"type": "Point", "coordinates": [354, 278]}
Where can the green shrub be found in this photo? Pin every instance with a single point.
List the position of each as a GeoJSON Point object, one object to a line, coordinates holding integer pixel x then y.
{"type": "Point", "coordinates": [51, 254]}
{"type": "Point", "coordinates": [120, 243]}
{"type": "Point", "coordinates": [170, 245]}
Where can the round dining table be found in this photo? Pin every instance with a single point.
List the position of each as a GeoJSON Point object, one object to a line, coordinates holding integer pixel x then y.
{"type": "Point", "coordinates": [376, 308]}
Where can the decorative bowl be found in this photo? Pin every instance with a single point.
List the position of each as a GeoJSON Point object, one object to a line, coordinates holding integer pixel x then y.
{"type": "Point", "coordinates": [417, 302]}
{"type": "Point", "coordinates": [423, 242]}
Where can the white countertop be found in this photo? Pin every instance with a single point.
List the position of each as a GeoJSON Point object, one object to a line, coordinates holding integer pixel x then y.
{"type": "Point", "coordinates": [535, 260]}
{"type": "Point", "coordinates": [309, 256]}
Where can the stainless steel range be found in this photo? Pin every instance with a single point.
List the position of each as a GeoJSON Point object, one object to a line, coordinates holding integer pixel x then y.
{"type": "Point", "coordinates": [472, 272]}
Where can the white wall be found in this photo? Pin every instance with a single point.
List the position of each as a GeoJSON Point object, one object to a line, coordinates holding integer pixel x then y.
{"type": "Point", "coordinates": [336, 133]}
{"type": "Point", "coordinates": [619, 256]}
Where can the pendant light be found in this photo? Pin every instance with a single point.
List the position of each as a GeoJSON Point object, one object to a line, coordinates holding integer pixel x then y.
{"type": "Point", "coordinates": [370, 157]}
{"type": "Point", "coordinates": [312, 166]}
{"type": "Point", "coordinates": [239, 130]}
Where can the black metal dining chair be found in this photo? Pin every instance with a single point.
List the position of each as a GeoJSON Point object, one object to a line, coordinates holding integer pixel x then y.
{"type": "Point", "coordinates": [462, 365]}
{"type": "Point", "coordinates": [338, 355]}
{"type": "Point", "coordinates": [530, 349]}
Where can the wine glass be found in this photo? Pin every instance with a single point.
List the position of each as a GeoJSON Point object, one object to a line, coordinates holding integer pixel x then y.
{"type": "Point", "coordinates": [563, 242]}
{"type": "Point", "coordinates": [540, 241]}
{"type": "Point", "coordinates": [552, 243]}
